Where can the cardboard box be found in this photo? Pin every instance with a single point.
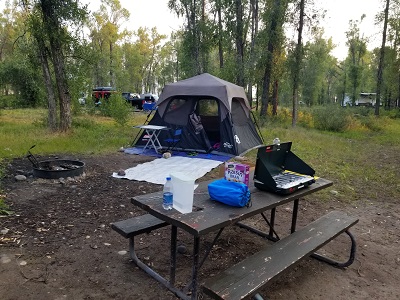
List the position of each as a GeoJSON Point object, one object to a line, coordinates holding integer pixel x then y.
{"type": "Point", "coordinates": [237, 172]}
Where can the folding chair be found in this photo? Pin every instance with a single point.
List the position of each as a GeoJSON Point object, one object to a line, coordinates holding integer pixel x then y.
{"type": "Point", "coordinates": [173, 141]}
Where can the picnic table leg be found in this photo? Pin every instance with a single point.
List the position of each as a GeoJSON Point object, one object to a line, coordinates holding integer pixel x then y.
{"type": "Point", "coordinates": [272, 221]}
{"type": "Point", "coordinates": [196, 253]}
{"type": "Point", "coordinates": [174, 234]}
{"type": "Point", "coordinates": [336, 263]}
{"type": "Point", "coordinates": [294, 215]}
{"type": "Point", "coordinates": [153, 273]}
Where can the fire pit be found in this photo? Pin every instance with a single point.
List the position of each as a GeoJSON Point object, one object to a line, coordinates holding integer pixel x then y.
{"type": "Point", "coordinates": [54, 169]}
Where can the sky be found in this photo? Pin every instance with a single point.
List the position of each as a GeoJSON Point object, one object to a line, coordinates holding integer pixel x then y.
{"type": "Point", "coordinates": [155, 13]}
{"type": "Point", "coordinates": [340, 12]}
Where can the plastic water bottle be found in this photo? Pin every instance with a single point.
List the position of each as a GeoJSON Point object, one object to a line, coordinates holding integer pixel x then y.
{"type": "Point", "coordinates": [168, 194]}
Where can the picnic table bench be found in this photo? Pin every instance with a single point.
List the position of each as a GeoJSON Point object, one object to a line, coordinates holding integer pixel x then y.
{"type": "Point", "coordinates": [137, 225]}
{"type": "Point", "coordinates": [243, 280]}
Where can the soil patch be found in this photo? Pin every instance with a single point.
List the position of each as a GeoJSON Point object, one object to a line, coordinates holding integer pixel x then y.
{"type": "Point", "coordinates": [58, 244]}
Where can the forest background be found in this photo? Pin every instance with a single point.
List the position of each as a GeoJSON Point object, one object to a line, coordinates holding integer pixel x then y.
{"type": "Point", "coordinates": [54, 51]}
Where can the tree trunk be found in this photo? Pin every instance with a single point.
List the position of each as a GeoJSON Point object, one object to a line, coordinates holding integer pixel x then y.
{"type": "Point", "coordinates": [275, 98]}
{"type": "Point", "coordinates": [62, 87]}
{"type": "Point", "coordinates": [381, 57]}
{"type": "Point", "coordinates": [276, 23]}
{"type": "Point", "coordinates": [254, 34]}
{"type": "Point", "coordinates": [53, 30]}
{"type": "Point", "coordinates": [239, 43]}
{"type": "Point", "coordinates": [220, 47]}
{"type": "Point", "coordinates": [111, 65]}
{"type": "Point", "coordinates": [51, 99]}
{"type": "Point", "coordinates": [296, 73]}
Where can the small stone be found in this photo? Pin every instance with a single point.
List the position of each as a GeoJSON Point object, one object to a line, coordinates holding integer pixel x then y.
{"type": "Point", "coordinates": [107, 244]}
{"type": "Point", "coordinates": [4, 231]}
{"type": "Point", "coordinates": [121, 172]}
{"type": "Point", "coordinates": [166, 155]}
{"type": "Point", "coordinates": [288, 209]}
{"type": "Point", "coordinates": [4, 259]}
{"type": "Point", "coordinates": [334, 193]}
{"type": "Point", "coordinates": [22, 263]}
{"type": "Point", "coordinates": [20, 177]}
{"type": "Point", "coordinates": [181, 249]}
{"type": "Point", "coordinates": [122, 252]}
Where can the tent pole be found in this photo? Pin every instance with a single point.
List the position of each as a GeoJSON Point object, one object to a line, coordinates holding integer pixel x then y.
{"type": "Point", "coordinates": [258, 128]}
{"type": "Point", "coordinates": [141, 130]}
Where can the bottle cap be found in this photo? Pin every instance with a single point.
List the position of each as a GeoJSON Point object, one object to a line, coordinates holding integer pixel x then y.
{"type": "Point", "coordinates": [168, 178]}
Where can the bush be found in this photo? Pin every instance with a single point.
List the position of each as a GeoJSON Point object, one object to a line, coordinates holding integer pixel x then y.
{"type": "Point", "coordinates": [117, 108]}
{"type": "Point", "coordinates": [330, 118]}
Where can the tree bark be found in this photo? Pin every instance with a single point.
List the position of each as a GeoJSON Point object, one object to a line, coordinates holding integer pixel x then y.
{"type": "Point", "coordinates": [220, 36]}
{"type": "Point", "coordinates": [51, 99]}
{"type": "Point", "coordinates": [239, 43]}
{"type": "Point", "coordinates": [381, 58]}
{"type": "Point", "coordinates": [298, 58]}
{"type": "Point", "coordinates": [53, 30]}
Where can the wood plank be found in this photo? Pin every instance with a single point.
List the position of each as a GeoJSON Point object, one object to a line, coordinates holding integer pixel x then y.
{"type": "Point", "coordinates": [245, 278]}
{"type": "Point", "coordinates": [137, 225]}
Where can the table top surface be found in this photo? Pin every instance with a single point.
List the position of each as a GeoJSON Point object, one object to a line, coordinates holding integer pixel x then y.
{"type": "Point", "coordinates": [208, 215]}
{"type": "Point", "coordinates": [151, 127]}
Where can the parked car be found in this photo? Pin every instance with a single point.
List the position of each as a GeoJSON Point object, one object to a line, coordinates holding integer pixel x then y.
{"type": "Point", "coordinates": [144, 98]}
{"type": "Point", "coordinates": [102, 92]}
{"type": "Point", "coordinates": [130, 96]}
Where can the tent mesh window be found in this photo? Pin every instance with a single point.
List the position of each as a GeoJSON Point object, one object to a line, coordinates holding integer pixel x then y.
{"type": "Point", "coordinates": [209, 113]}
{"type": "Point", "coordinates": [176, 109]}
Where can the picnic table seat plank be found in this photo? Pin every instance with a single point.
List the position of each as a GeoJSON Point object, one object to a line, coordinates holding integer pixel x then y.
{"type": "Point", "coordinates": [244, 279]}
{"type": "Point", "coordinates": [137, 225]}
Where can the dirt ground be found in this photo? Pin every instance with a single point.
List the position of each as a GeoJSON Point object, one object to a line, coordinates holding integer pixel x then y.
{"type": "Point", "coordinates": [58, 244]}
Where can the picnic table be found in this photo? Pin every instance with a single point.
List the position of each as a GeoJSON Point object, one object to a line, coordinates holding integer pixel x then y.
{"type": "Point", "coordinates": [245, 279]}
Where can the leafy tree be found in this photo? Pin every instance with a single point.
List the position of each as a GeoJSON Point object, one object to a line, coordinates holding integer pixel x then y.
{"type": "Point", "coordinates": [105, 33]}
{"type": "Point", "coordinates": [317, 63]}
{"type": "Point", "coordinates": [356, 53]}
{"type": "Point", "coordinates": [272, 38]}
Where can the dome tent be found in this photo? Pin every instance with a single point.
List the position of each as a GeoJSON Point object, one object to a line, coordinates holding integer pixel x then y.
{"type": "Point", "coordinates": [214, 116]}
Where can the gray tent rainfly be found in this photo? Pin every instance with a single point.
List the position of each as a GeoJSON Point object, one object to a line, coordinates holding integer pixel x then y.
{"type": "Point", "coordinates": [214, 116]}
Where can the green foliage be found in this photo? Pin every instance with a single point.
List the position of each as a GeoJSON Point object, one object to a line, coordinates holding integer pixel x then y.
{"type": "Point", "coordinates": [330, 118]}
{"type": "Point", "coordinates": [117, 108]}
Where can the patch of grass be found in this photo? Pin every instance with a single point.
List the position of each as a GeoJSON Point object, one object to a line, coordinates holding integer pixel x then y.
{"type": "Point", "coordinates": [348, 158]}
{"type": "Point", "coordinates": [90, 134]}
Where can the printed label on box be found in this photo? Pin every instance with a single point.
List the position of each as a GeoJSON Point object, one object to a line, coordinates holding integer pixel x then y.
{"type": "Point", "coordinates": [237, 172]}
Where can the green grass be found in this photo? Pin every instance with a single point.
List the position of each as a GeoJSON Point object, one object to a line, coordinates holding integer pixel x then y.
{"type": "Point", "coordinates": [350, 158]}
{"type": "Point", "coordinates": [22, 128]}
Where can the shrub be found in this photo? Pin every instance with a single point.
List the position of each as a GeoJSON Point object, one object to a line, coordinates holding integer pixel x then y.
{"type": "Point", "coordinates": [117, 108]}
{"type": "Point", "coordinates": [330, 118]}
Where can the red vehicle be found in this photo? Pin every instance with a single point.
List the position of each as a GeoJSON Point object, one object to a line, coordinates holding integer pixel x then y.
{"type": "Point", "coordinates": [102, 92]}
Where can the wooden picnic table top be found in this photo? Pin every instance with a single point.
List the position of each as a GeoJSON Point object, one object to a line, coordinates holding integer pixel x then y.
{"type": "Point", "coordinates": [208, 216]}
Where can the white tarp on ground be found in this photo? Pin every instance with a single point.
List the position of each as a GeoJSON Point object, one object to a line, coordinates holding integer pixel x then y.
{"type": "Point", "coordinates": [157, 170]}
